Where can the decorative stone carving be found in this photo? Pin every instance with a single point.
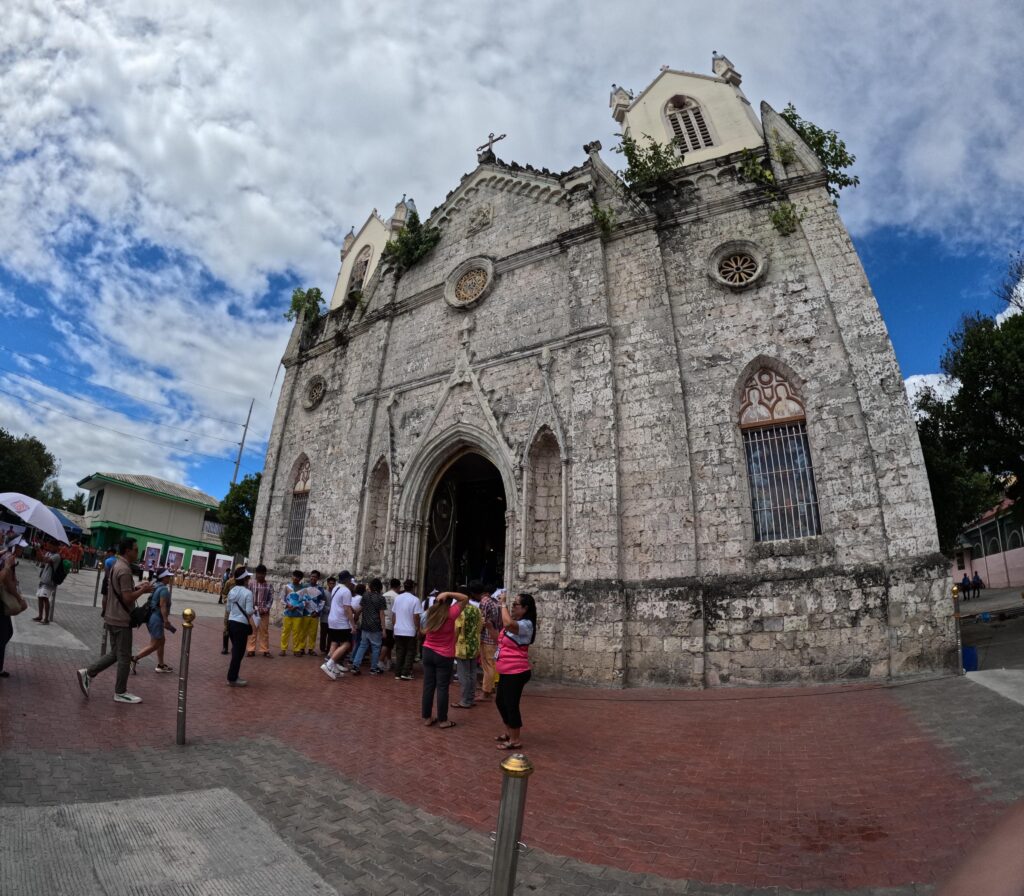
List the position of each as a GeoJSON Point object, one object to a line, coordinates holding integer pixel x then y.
{"type": "Point", "coordinates": [738, 264]}
{"type": "Point", "coordinates": [768, 398]}
{"type": "Point", "coordinates": [316, 389]}
{"type": "Point", "coordinates": [480, 218]}
{"type": "Point", "coordinates": [469, 283]}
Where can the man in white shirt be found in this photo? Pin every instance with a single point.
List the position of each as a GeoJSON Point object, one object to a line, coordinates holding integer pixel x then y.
{"type": "Point", "coordinates": [407, 626]}
{"type": "Point", "coordinates": [340, 622]}
{"type": "Point", "coordinates": [394, 588]}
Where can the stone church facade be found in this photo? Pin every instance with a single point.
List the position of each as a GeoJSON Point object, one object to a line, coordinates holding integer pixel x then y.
{"type": "Point", "coordinates": [683, 429]}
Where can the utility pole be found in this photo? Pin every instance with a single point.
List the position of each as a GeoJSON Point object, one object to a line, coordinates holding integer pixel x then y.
{"type": "Point", "coordinates": [241, 445]}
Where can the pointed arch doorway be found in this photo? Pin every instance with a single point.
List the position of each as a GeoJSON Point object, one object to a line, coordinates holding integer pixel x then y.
{"type": "Point", "coordinates": [466, 525]}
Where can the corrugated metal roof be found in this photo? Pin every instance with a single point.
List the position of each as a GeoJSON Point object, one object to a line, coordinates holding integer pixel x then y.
{"type": "Point", "coordinates": [163, 487]}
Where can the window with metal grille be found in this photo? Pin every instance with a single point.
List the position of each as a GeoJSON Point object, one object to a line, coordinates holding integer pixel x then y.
{"type": "Point", "coordinates": [686, 119]}
{"type": "Point", "coordinates": [783, 498]}
{"type": "Point", "coordinates": [782, 493]}
{"type": "Point", "coordinates": [296, 523]}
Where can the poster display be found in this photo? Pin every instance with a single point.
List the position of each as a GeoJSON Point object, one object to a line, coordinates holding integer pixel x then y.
{"type": "Point", "coordinates": [175, 557]}
{"type": "Point", "coordinates": [197, 562]}
{"type": "Point", "coordinates": [222, 564]}
{"type": "Point", "coordinates": [151, 557]}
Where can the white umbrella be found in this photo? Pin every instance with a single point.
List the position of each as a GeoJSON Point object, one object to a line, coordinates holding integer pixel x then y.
{"type": "Point", "coordinates": [35, 513]}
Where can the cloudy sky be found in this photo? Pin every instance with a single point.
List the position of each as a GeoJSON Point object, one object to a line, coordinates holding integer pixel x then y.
{"type": "Point", "coordinates": [167, 178]}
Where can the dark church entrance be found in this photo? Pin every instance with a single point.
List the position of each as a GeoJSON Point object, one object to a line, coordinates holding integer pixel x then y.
{"type": "Point", "coordinates": [466, 526]}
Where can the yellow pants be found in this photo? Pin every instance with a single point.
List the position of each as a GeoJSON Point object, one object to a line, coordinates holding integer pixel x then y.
{"type": "Point", "coordinates": [311, 632]}
{"type": "Point", "coordinates": [292, 633]}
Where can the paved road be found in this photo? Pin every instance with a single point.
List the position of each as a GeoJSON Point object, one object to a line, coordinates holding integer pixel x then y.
{"type": "Point", "coordinates": [834, 790]}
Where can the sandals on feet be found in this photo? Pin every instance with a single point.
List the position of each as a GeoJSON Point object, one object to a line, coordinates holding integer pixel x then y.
{"type": "Point", "coordinates": [428, 722]}
{"type": "Point", "coordinates": [447, 724]}
{"type": "Point", "coordinates": [511, 745]}
{"type": "Point", "coordinates": [502, 738]}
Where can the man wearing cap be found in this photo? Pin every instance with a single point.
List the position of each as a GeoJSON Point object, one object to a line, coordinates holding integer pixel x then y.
{"type": "Point", "coordinates": [159, 621]}
{"type": "Point", "coordinates": [9, 582]}
{"type": "Point", "coordinates": [241, 624]}
{"type": "Point", "coordinates": [121, 596]}
{"type": "Point", "coordinates": [314, 607]}
{"type": "Point", "coordinates": [340, 621]}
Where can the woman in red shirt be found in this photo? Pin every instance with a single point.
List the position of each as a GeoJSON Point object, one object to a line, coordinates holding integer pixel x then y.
{"type": "Point", "coordinates": [439, 654]}
{"type": "Point", "coordinates": [519, 630]}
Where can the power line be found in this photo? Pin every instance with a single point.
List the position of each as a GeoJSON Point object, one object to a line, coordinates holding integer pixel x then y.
{"type": "Point", "coordinates": [123, 413]}
{"type": "Point", "coordinates": [127, 435]}
{"type": "Point", "coordinates": [159, 404]}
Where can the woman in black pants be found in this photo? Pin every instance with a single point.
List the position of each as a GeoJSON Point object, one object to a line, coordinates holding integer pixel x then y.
{"type": "Point", "coordinates": [241, 610]}
{"type": "Point", "coordinates": [512, 661]}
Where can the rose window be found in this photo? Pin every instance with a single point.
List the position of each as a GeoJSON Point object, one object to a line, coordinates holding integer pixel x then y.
{"type": "Point", "coordinates": [737, 269]}
{"type": "Point", "coordinates": [315, 392]}
{"type": "Point", "coordinates": [470, 286]}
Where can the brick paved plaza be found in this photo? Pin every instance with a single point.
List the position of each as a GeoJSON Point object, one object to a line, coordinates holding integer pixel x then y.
{"type": "Point", "coordinates": [857, 789]}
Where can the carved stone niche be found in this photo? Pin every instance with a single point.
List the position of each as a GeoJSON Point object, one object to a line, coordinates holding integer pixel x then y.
{"type": "Point", "coordinates": [316, 389]}
{"type": "Point", "coordinates": [469, 283]}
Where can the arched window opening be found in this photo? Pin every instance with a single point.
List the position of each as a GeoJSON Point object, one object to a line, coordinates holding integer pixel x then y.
{"type": "Point", "coordinates": [783, 496]}
{"type": "Point", "coordinates": [376, 516]}
{"type": "Point", "coordinates": [299, 505]}
{"type": "Point", "coordinates": [1014, 540]}
{"type": "Point", "coordinates": [686, 118]}
{"type": "Point", "coordinates": [359, 269]}
{"type": "Point", "coordinates": [544, 520]}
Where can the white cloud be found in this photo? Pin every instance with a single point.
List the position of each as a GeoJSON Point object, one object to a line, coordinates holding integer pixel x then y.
{"type": "Point", "coordinates": [243, 139]}
{"type": "Point", "coordinates": [939, 383]}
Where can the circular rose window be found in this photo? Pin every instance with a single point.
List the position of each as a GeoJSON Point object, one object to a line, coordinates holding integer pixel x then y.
{"type": "Point", "coordinates": [738, 269]}
{"type": "Point", "coordinates": [738, 264]}
{"type": "Point", "coordinates": [469, 283]}
{"type": "Point", "coordinates": [315, 392]}
{"type": "Point", "coordinates": [470, 286]}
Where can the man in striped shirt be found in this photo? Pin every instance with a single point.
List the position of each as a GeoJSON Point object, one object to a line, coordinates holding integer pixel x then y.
{"type": "Point", "coordinates": [263, 598]}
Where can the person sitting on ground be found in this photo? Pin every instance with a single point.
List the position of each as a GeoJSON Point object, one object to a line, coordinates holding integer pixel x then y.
{"type": "Point", "coordinates": [519, 630]}
{"type": "Point", "coordinates": [159, 622]}
{"type": "Point", "coordinates": [47, 591]}
{"type": "Point", "coordinates": [438, 655]}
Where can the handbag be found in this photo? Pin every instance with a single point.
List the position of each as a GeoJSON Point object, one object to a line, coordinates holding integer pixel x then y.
{"type": "Point", "coordinates": [10, 603]}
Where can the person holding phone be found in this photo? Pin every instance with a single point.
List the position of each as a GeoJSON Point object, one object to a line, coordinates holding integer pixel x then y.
{"type": "Point", "coordinates": [439, 655]}
{"type": "Point", "coordinates": [512, 660]}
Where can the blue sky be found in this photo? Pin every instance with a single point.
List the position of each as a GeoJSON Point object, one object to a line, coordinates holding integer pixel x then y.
{"type": "Point", "coordinates": [167, 178]}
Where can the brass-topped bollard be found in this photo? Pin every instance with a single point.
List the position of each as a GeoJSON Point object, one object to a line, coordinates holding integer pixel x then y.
{"type": "Point", "coordinates": [517, 770]}
{"type": "Point", "coordinates": [187, 618]}
{"type": "Point", "coordinates": [956, 622]}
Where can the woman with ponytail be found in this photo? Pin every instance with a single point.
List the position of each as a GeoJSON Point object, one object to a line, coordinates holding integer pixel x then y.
{"type": "Point", "coordinates": [519, 630]}
{"type": "Point", "coordinates": [439, 654]}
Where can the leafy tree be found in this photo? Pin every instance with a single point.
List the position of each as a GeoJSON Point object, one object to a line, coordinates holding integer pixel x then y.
{"type": "Point", "coordinates": [1011, 290]}
{"type": "Point", "coordinates": [650, 164]}
{"type": "Point", "coordinates": [961, 491]}
{"type": "Point", "coordinates": [309, 301]}
{"type": "Point", "coordinates": [52, 495]}
{"type": "Point", "coordinates": [413, 242]}
{"type": "Point", "coordinates": [76, 504]}
{"type": "Point", "coordinates": [25, 464]}
{"type": "Point", "coordinates": [830, 150]}
{"type": "Point", "coordinates": [237, 511]}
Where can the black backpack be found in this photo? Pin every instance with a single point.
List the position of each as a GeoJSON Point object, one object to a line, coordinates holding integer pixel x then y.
{"type": "Point", "coordinates": [58, 572]}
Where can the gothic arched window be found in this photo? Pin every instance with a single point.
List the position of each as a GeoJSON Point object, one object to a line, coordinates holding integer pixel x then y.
{"type": "Point", "coordinates": [299, 505]}
{"type": "Point", "coordinates": [784, 501]}
{"type": "Point", "coordinates": [686, 118]}
{"type": "Point", "coordinates": [359, 268]}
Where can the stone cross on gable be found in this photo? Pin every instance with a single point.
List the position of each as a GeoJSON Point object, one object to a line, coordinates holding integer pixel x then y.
{"type": "Point", "coordinates": [485, 152]}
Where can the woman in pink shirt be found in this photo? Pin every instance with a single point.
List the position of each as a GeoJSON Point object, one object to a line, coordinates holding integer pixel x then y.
{"type": "Point", "coordinates": [519, 630]}
{"type": "Point", "coordinates": [439, 654]}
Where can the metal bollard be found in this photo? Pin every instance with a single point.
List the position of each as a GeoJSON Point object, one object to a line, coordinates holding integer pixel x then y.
{"type": "Point", "coordinates": [517, 769]}
{"type": "Point", "coordinates": [956, 620]}
{"type": "Point", "coordinates": [187, 617]}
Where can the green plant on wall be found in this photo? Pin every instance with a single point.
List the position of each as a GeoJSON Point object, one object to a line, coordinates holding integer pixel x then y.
{"type": "Point", "coordinates": [305, 301]}
{"type": "Point", "coordinates": [650, 164]}
{"type": "Point", "coordinates": [604, 218]}
{"type": "Point", "coordinates": [830, 149]}
{"type": "Point", "coordinates": [413, 242]}
{"type": "Point", "coordinates": [785, 218]}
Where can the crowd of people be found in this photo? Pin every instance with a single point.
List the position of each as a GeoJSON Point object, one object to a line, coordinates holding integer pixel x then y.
{"type": "Point", "coordinates": [478, 635]}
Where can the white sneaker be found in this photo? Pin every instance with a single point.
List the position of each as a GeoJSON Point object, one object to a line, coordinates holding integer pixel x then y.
{"type": "Point", "coordinates": [126, 698]}
{"type": "Point", "coordinates": [83, 681]}
{"type": "Point", "coordinates": [329, 672]}
{"type": "Point", "coordinates": [238, 683]}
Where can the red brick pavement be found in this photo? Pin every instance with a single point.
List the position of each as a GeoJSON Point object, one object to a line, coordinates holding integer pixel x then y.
{"type": "Point", "coordinates": [803, 788]}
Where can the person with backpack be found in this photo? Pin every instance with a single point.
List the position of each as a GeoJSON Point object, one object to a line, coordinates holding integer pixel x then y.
{"type": "Point", "coordinates": [242, 622]}
{"type": "Point", "coordinates": [50, 576]}
{"type": "Point", "coordinates": [158, 622]}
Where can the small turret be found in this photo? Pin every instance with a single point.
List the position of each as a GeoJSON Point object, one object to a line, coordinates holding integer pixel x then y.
{"type": "Point", "coordinates": [402, 211]}
{"type": "Point", "coordinates": [346, 244]}
{"type": "Point", "coordinates": [619, 102]}
{"type": "Point", "coordinates": [722, 67]}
